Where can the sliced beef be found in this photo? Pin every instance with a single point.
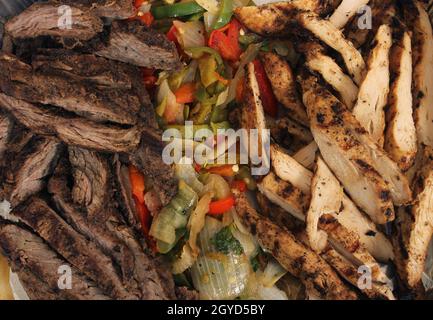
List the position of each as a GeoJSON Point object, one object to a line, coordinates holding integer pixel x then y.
{"type": "Point", "coordinates": [6, 125]}
{"type": "Point", "coordinates": [91, 179]}
{"type": "Point", "coordinates": [19, 80]}
{"type": "Point", "coordinates": [97, 71]}
{"type": "Point", "coordinates": [42, 19]}
{"type": "Point", "coordinates": [27, 173]}
{"type": "Point", "coordinates": [88, 68]}
{"type": "Point", "coordinates": [134, 43]}
{"type": "Point", "coordinates": [37, 263]}
{"type": "Point", "coordinates": [148, 158]}
{"type": "Point", "coordinates": [36, 288]}
{"type": "Point", "coordinates": [72, 130]}
{"type": "Point", "coordinates": [106, 228]}
{"type": "Point", "coordinates": [74, 247]}
{"type": "Point", "coordinates": [115, 9]}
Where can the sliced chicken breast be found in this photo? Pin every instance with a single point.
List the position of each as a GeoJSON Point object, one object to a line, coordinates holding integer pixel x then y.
{"type": "Point", "coordinates": [318, 277]}
{"type": "Point", "coordinates": [401, 138]}
{"type": "Point", "coordinates": [423, 76]}
{"type": "Point", "coordinates": [282, 18]}
{"type": "Point", "coordinates": [326, 197]}
{"type": "Point", "coordinates": [373, 92]}
{"type": "Point", "coordinates": [306, 155]}
{"type": "Point", "coordinates": [283, 84]}
{"type": "Point", "coordinates": [333, 128]}
{"type": "Point", "coordinates": [285, 194]}
{"type": "Point", "coordinates": [348, 215]}
{"type": "Point", "coordinates": [415, 226]}
{"type": "Point", "coordinates": [333, 74]}
{"type": "Point", "coordinates": [346, 11]}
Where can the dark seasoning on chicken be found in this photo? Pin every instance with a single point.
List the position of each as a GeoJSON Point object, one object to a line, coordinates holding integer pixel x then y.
{"type": "Point", "coordinates": [350, 112]}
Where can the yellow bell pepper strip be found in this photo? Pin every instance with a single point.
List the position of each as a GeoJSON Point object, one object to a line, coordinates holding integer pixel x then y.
{"type": "Point", "coordinates": [180, 9]}
{"type": "Point", "coordinates": [198, 52]}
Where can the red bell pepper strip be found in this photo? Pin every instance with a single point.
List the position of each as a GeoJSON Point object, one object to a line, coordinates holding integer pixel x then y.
{"type": "Point", "coordinates": [146, 18]}
{"type": "Point", "coordinates": [149, 78]}
{"type": "Point", "coordinates": [227, 44]}
{"type": "Point", "coordinates": [266, 93]}
{"type": "Point", "coordinates": [137, 183]}
{"type": "Point", "coordinates": [143, 215]}
{"type": "Point", "coordinates": [171, 34]}
{"type": "Point", "coordinates": [197, 167]}
{"type": "Point", "coordinates": [221, 206]}
{"type": "Point", "coordinates": [186, 93]}
{"type": "Point", "coordinates": [225, 170]}
{"type": "Point", "coordinates": [239, 185]}
{"type": "Point", "coordinates": [138, 3]}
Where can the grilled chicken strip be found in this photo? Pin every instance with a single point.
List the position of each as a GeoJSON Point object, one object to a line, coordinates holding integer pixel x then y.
{"type": "Point", "coordinates": [345, 11]}
{"type": "Point", "coordinates": [319, 62]}
{"type": "Point", "coordinates": [326, 198]}
{"type": "Point", "coordinates": [423, 76]}
{"type": "Point", "coordinates": [45, 19]}
{"type": "Point", "coordinates": [285, 194]}
{"type": "Point", "coordinates": [283, 84]}
{"type": "Point", "coordinates": [253, 117]}
{"type": "Point", "coordinates": [373, 93]}
{"type": "Point", "coordinates": [318, 277]}
{"type": "Point", "coordinates": [348, 214]}
{"type": "Point", "coordinates": [351, 260]}
{"type": "Point", "coordinates": [306, 155]}
{"type": "Point", "coordinates": [278, 19]}
{"type": "Point", "coordinates": [326, 201]}
{"type": "Point", "coordinates": [401, 138]}
{"type": "Point", "coordinates": [415, 226]}
{"type": "Point", "coordinates": [372, 179]}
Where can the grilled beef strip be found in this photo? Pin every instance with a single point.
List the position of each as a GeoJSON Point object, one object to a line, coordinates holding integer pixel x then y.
{"type": "Point", "coordinates": [114, 239]}
{"type": "Point", "coordinates": [42, 19]}
{"type": "Point", "coordinates": [71, 130]}
{"type": "Point", "coordinates": [90, 69]}
{"type": "Point", "coordinates": [28, 171]}
{"type": "Point", "coordinates": [91, 179]}
{"type": "Point", "coordinates": [19, 80]}
{"type": "Point", "coordinates": [148, 159]}
{"type": "Point", "coordinates": [6, 126]}
{"type": "Point", "coordinates": [99, 220]}
{"type": "Point", "coordinates": [74, 247]}
{"type": "Point", "coordinates": [36, 262]}
{"type": "Point", "coordinates": [114, 9]}
{"type": "Point", "coordinates": [132, 42]}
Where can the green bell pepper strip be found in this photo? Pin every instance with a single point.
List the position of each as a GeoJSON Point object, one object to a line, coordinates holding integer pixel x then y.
{"type": "Point", "coordinates": [176, 10]}
{"type": "Point", "coordinates": [225, 14]}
